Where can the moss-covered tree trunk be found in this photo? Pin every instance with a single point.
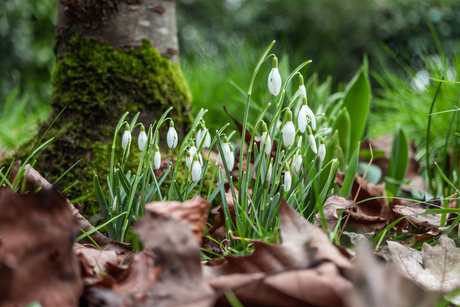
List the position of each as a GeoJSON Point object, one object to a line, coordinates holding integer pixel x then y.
{"type": "Point", "coordinates": [113, 56]}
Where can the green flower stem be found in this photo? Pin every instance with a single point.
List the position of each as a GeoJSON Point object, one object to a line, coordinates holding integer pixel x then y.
{"type": "Point", "coordinates": [428, 168]}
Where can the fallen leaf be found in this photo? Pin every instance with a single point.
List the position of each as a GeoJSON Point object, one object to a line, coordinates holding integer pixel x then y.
{"type": "Point", "coordinates": [379, 285]}
{"type": "Point", "coordinates": [441, 265]}
{"type": "Point", "coordinates": [35, 180]}
{"type": "Point", "coordinates": [97, 259]}
{"type": "Point", "coordinates": [192, 212]}
{"type": "Point", "coordinates": [360, 221]}
{"type": "Point", "coordinates": [166, 273]}
{"type": "Point", "coordinates": [303, 271]}
{"type": "Point", "coordinates": [36, 258]}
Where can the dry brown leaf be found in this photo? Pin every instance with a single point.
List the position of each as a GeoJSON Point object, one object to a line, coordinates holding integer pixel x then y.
{"type": "Point", "coordinates": [441, 265]}
{"type": "Point", "coordinates": [192, 212]}
{"type": "Point", "coordinates": [423, 223]}
{"type": "Point", "coordinates": [167, 273]}
{"type": "Point", "coordinates": [361, 222]}
{"type": "Point", "coordinates": [35, 180]}
{"type": "Point", "coordinates": [302, 271]}
{"type": "Point", "coordinates": [96, 259]}
{"type": "Point", "coordinates": [379, 285]}
{"type": "Point", "coordinates": [36, 258]}
{"type": "Point", "coordinates": [319, 286]}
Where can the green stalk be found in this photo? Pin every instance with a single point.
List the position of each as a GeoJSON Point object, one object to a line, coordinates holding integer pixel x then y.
{"type": "Point", "coordinates": [428, 168]}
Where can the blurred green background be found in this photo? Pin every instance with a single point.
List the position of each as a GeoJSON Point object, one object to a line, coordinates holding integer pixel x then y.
{"type": "Point", "coordinates": [220, 41]}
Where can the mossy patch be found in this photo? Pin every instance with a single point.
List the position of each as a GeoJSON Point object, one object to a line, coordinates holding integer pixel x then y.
{"type": "Point", "coordinates": [96, 84]}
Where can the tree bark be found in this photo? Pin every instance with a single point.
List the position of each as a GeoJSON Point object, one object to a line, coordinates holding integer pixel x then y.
{"type": "Point", "coordinates": [113, 56]}
{"type": "Point", "coordinates": [121, 23]}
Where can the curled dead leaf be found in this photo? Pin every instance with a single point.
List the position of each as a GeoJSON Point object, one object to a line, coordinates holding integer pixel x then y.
{"type": "Point", "coordinates": [192, 212]}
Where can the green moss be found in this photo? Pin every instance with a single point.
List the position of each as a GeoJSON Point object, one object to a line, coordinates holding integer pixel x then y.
{"type": "Point", "coordinates": [96, 84]}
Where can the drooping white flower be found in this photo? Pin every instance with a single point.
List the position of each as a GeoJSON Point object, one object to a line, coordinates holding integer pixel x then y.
{"type": "Point", "coordinates": [231, 160]}
{"type": "Point", "coordinates": [305, 115]}
{"type": "Point", "coordinates": [157, 158]}
{"type": "Point", "coordinates": [142, 139]}
{"type": "Point", "coordinates": [274, 78]}
{"type": "Point", "coordinates": [265, 139]}
{"type": "Point", "coordinates": [196, 169]}
{"type": "Point", "coordinates": [298, 163]}
{"type": "Point", "coordinates": [321, 150]}
{"type": "Point", "coordinates": [203, 133]}
{"type": "Point", "coordinates": [311, 140]}
{"type": "Point", "coordinates": [287, 179]}
{"type": "Point", "coordinates": [226, 150]}
{"type": "Point", "coordinates": [288, 130]}
{"type": "Point", "coordinates": [126, 137]}
{"type": "Point", "coordinates": [188, 160]}
{"type": "Point", "coordinates": [303, 91]}
{"type": "Point", "coordinates": [171, 136]}
{"type": "Point", "coordinates": [268, 176]}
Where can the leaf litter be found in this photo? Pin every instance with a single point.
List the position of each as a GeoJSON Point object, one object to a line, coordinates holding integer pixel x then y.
{"type": "Point", "coordinates": [306, 269]}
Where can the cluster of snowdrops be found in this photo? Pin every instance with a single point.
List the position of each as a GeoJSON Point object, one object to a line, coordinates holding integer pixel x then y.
{"type": "Point", "coordinates": [267, 173]}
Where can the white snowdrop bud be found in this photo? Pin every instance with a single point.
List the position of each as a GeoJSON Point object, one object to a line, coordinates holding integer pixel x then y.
{"type": "Point", "coordinates": [287, 179]}
{"type": "Point", "coordinates": [321, 150]}
{"type": "Point", "coordinates": [142, 139]}
{"type": "Point", "coordinates": [226, 150]}
{"type": "Point", "coordinates": [298, 162]}
{"type": "Point", "coordinates": [231, 160]}
{"type": "Point", "coordinates": [196, 169]}
{"type": "Point", "coordinates": [311, 140]}
{"type": "Point", "coordinates": [274, 78]}
{"type": "Point", "coordinates": [288, 130]}
{"type": "Point", "coordinates": [266, 139]}
{"type": "Point", "coordinates": [157, 158]}
{"type": "Point", "coordinates": [303, 91]}
{"type": "Point", "coordinates": [268, 177]}
{"type": "Point", "coordinates": [188, 160]}
{"type": "Point", "coordinates": [171, 136]}
{"type": "Point", "coordinates": [126, 137]}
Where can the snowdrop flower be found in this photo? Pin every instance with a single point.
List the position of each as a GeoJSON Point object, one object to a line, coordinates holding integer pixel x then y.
{"type": "Point", "coordinates": [171, 136]}
{"type": "Point", "coordinates": [231, 160]}
{"type": "Point", "coordinates": [157, 158]}
{"type": "Point", "coordinates": [188, 160]}
{"type": "Point", "coordinates": [142, 139]}
{"type": "Point", "coordinates": [311, 140]}
{"type": "Point", "coordinates": [226, 150]}
{"type": "Point", "coordinates": [421, 81]}
{"type": "Point", "coordinates": [196, 169]}
{"type": "Point", "coordinates": [305, 114]}
{"type": "Point", "coordinates": [321, 150]}
{"type": "Point", "coordinates": [298, 162]}
{"type": "Point", "coordinates": [303, 91]}
{"type": "Point", "coordinates": [126, 137]}
{"type": "Point", "coordinates": [274, 78]}
{"type": "Point", "coordinates": [288, 130]}
{"type": "Point", "coordinates": [193, 151]}
{"type": "Point", "coordinates": [203, 133]}
{"type": "Point", "coordinates": [266, 139]}
{"type": "Point", "coordinates": [287, 179]}
{"type": "Point", "coordinates": [268, 177]}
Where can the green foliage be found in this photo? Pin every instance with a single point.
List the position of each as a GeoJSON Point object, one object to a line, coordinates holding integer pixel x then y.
{"type": "Point", "coordinates": [18, 120]}
{"type": "Point", "coordinates": [343, 124]}
{"type": "Point", "coordinates": [27, 38]}
{"type": "Point", "coordinates": [399, 160]}
{"type": "Point", "coordinates": [350, 174]}
{"type": "Point", "coordinates": [357, 100]}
